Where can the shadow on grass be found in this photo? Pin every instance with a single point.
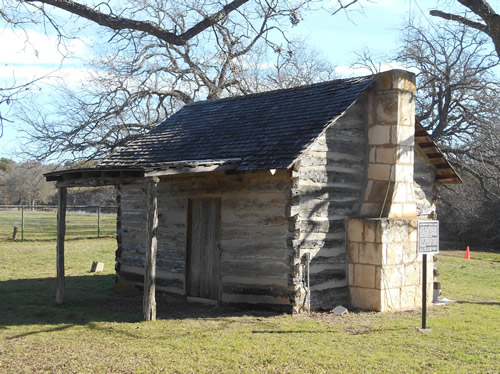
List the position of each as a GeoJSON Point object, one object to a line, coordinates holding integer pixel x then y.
{"type": "Point", "coordinates": [357, 331]}
{"type": "Point", "coordinates": [60, 328]}
{"type": "Point", "coordinates": [494, 303]}
{"type": "Point", "coordinates": [93, 298]}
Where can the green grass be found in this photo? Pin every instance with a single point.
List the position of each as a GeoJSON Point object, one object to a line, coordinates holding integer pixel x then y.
{"type": "Point", "coordinates": [39, 225]}
{"type": "Point", "coordinates": [99, 328]}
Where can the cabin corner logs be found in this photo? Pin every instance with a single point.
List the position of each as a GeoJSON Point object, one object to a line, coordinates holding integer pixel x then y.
{"type": "Point", "coordinates": [242, 237]}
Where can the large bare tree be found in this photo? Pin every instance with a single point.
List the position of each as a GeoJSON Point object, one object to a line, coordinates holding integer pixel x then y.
{"type": "Point", "coordinates": [140, 77]}
{"type": "Point", "coordinates": [456, 83]}
{"type": "Point", "coordinates": [484, 18]}
{"type": "Point", "coordinates": [457, 93]}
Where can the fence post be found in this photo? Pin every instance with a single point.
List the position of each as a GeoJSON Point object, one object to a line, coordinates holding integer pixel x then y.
{"type": "Point", "coordinates": [22, 223]}
{"type": "Point", "coordinates": [98, 221]}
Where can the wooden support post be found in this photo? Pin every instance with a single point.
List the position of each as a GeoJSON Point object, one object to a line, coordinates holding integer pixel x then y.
{"type": "Point", "coordinates": [149, 300]}
{"type": "Point", "coordinates": [61, 232]}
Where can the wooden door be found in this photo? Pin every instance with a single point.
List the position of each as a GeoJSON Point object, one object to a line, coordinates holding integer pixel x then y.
{"type": "Point", "coordinates": [203, 255]}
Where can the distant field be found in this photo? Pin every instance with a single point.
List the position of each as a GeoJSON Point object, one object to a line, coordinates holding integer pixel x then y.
{"type": "Point", "coordinates": [41, 225]}
{"type": "Point", "coordinates": [99, 328]}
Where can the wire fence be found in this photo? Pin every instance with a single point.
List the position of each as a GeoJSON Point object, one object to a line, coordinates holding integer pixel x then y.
{"type": "Point", "coordinates": [40, 222]}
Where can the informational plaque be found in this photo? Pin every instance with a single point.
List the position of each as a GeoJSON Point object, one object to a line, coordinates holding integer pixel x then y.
{"type": "Point", "coordinates": [427, 242]}
{"type": "Point", "coordinates": [428, 237]}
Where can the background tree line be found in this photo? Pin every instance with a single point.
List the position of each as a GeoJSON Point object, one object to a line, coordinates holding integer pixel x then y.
{"type": "Point", "coordinates": [23, 183]}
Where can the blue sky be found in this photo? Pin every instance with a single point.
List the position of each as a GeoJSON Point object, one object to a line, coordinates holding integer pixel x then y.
{"type": "Point", "coordinates": [335, 37]}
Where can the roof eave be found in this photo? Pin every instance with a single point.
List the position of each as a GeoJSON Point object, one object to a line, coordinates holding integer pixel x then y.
{"type": "Point", "coordinates": [445, 172]}
{"type": "Point", "coordinates": [95, 177]}
{"type": "Point", "coordinates": [112, 176]}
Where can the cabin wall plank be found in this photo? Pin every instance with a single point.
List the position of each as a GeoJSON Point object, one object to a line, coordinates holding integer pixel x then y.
{"type": "Point", "coordinates": [256, 262]}
{"type": "Point", "coordinates": [327, 186]}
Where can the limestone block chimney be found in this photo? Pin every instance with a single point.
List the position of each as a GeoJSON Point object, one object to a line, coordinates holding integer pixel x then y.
{"type": "Point", "coordinates": [391, 133]}
{"type": "Point", "coordinates": [384, 267]}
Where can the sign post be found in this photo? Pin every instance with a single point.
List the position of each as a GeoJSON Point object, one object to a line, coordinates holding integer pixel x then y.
{"type": "Point", "coordinates": [427, 242]}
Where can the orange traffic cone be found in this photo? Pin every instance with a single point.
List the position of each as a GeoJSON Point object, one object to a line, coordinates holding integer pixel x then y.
{"type": "Point", "coordinates": [467, 253]}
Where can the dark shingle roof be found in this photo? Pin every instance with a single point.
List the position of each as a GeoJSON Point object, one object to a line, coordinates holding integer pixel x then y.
{"type": "Point", "coordinates": [265, 131]}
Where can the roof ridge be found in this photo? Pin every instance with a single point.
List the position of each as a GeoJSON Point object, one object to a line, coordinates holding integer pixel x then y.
{"type": "Point", "coordinates": [272, 92]}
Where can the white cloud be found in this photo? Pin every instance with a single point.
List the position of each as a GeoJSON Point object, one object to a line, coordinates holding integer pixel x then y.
{"type": "Point", "coordinates": [32, 47]}
{"type": "Point", "coordinates": [26, 56]}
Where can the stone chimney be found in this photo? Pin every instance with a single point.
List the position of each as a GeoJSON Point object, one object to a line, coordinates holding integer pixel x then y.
{"type": "Point", "coordinates": [384, 267]}
{"type": "Point", "coordinates": [391, 129]}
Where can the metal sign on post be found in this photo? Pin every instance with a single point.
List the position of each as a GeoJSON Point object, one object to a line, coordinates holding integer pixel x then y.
{"type": "Point", "coordinates": [427, 242]}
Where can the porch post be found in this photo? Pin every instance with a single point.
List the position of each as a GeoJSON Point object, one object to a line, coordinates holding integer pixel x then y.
{"type": "Point", "coordinates": [61, 232]}
{"type": "Point", "coordinates": [149, 300]}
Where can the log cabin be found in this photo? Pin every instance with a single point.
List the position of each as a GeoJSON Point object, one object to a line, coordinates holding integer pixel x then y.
{"type": "Point", "coordinates": [299, 198]}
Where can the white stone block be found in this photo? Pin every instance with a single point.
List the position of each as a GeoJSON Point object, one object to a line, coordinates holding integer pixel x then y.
{"type": "Point", "coordinates": [386, 107]}
{"type": "Point", "coordinates": [394, 253]}
{"type": "Point", "coordinates": [396, 210]}
{"type": "Point", "coordinates": [406, 135]}
{"type": "Point", "coordinates": [410, 254]}
{"type": "Point", "coordinates": [371, 231]}
{"type": "Point", "coordinates": [370, 253]}
{"type": "Point", "coordinates": [392, 276]}
{"type": "Point", "coordinates": [379, 135]}
{"type": "Point", "coordinates": [355, 229]}
{"type": "Point", "coordinates": [379, 171]}
{"type": "Point", "coordinates": [409, 210]}
{"type": "Point", "coordinates": [391, 299]}
{"type": "Point", "coordinates": [405, 154]}
{"type": "Point", "coordinates": [365, 298]}
{"type": "Point", "coordinates": [385, 154]}
{"type": "Point", "coordinates": [409, 298]}
{"type": "Point", "coordinates": [364, 276]}
{"type": "Point", "coordinates": [407, 109]}
{"type": "Point", "coordinates": [404, 173]}
{"type": "Point", "coordinates": [412, 274]}
{"type": "Point", "coordinates": [410, 193]}
{"type": "Point", "coordinates": [399, 195]}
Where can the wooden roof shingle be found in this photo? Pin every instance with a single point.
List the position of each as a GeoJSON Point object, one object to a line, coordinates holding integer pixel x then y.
{"type": "Point", "coordinates": [268, 130]}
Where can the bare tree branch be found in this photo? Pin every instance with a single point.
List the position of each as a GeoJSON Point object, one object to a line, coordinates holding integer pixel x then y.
{"type": "Point", "coordinates": [460, 19]}
{"type": "Point", "coordinates": [116, 22]}
{"type": "Point", "coordinates": [139, 80]}
{"type": "Point", "coordinates": [484, 11]}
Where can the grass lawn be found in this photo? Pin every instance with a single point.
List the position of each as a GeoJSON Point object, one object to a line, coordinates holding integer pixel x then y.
{"type": "Point", "coordinates": [41, 225]}
{"type": "Point", "coordinates": [99, 330]}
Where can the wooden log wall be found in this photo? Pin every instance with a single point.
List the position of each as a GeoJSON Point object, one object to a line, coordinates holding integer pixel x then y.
{"type": "Point", "coordinates": [327, 184]}
{"type": "Point", "coordinates": [425, 185]}
{"type": "Point", "coordinates": [256, 263]}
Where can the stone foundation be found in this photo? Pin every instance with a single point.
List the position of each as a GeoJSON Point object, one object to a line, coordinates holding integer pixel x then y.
{"type": "Point", "coordinates": [385, 271]}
